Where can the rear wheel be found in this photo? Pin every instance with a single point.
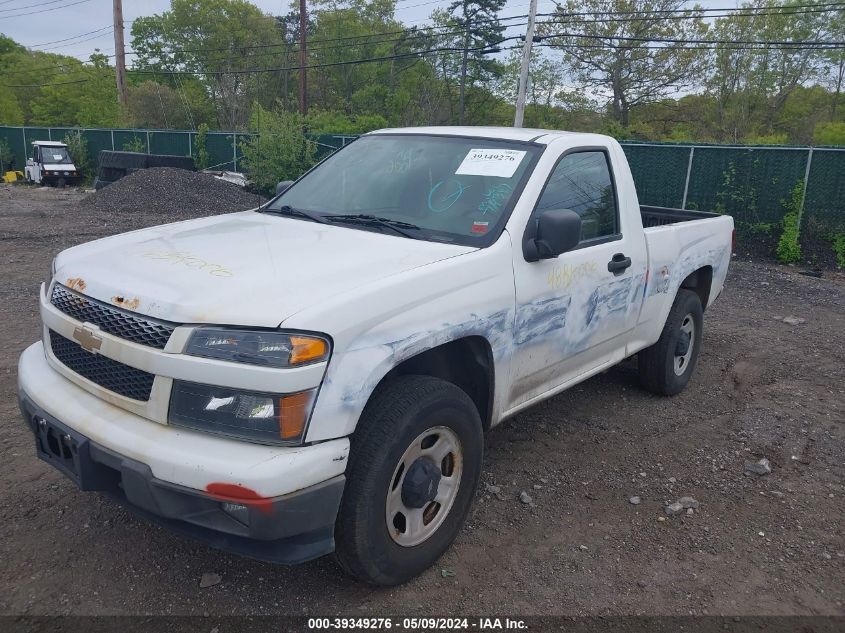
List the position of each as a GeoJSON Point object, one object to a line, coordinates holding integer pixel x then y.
{"type": "Point", "coordinates": [413, 470]}
{"type": "Point", "coordinates": [665, 368]}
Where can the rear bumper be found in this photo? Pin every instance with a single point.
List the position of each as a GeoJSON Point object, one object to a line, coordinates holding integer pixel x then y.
{"type": "Point", "coordinates": [289, 529]}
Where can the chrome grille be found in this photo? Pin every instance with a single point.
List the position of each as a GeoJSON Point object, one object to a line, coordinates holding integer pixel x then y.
{"type": "Point", "coordinates": [133, 328]}
{"type": "Point", "coordinates": [109, 374]}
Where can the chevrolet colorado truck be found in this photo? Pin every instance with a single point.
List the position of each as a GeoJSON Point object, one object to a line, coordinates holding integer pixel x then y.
{"type": "Point", "coordinates": [317, 375]}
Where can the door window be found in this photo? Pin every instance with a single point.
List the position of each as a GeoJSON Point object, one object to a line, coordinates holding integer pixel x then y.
{"type": "Point", "coordinates": [583, 183]}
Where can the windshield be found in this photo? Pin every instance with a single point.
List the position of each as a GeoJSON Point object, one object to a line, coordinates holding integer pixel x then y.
{"type": "Point", "coordinates": [54, 155]}
{"type": "Point", "coordinates": [441, 188]}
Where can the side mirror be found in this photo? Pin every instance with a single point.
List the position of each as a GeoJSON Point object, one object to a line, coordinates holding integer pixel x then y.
{"type": "Point", "coordinates": [555, 231]}
{"type": "Point", "coordinates": [283, 186]}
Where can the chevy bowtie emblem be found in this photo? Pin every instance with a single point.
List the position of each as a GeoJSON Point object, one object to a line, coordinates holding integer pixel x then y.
{"type": "Point", "coordinates": [87, 339]}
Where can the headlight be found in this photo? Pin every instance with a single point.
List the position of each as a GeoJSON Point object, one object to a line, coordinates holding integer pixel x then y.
{"type": "Point", "coordinates": [258, 417]}
{"type": "Point", "coordinates": [270, 349]}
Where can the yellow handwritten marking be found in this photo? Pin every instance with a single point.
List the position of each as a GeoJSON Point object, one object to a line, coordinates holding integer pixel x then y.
{"type": "Point", "coordinates": [190, 261]}
{"type": "Point", "coordinates": [564, 276]}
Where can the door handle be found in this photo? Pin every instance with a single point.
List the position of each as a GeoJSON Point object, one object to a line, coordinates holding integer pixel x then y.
{"type": "Point", "coordinates": [618, 264]}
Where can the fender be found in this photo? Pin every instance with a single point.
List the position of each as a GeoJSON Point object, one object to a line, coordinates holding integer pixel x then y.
{"type": "Point", "coordinates": [420, 316]}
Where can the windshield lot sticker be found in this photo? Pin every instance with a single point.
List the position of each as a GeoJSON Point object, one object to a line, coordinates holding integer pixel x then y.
{"type": "Point", "coordinates": [444, 194]}
{"type": "Point", "coordinates": [494, 197]}
{"type": "Point", "coordinates": [480, 227]}
{"type": "Point", "coordinates": [57, 157]}
{"type": "Point", "coordinates": [501, 163]}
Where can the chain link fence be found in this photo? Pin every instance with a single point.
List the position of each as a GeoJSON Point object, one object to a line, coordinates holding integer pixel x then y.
{"type": "Point", "coordinates": [224, 148]}
{"type": "Point", "coordinates": [748, 182]}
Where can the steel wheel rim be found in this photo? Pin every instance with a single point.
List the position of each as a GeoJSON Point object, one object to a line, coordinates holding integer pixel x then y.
{"type": "Point", "coordinates": [410, 526]}
{"type": "Point", "coordinates": [682, 361]}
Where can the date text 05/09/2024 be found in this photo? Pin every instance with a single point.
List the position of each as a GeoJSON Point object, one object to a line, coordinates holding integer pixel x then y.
{"type": "Point", "coordinates": [418, 624]}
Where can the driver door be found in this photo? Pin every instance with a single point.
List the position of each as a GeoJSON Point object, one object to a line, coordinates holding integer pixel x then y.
{"type": "Point", "coordinates": [36, 164]}
{"type": "Point", "coordinates": [572, 310]}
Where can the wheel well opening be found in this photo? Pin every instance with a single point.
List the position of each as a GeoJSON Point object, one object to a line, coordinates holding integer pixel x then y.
{"type": "Point", "coordinates": [466, 362]}
{"type": "Point", "coordinates": [700, 282]}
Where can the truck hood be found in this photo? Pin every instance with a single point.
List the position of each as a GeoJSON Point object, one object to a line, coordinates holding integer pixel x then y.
{"type": "Point", "coordinates": [244, 268]}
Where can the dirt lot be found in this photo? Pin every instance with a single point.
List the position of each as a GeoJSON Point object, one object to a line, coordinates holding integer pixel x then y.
{"type": "Point", "coordinates": [768, 544]}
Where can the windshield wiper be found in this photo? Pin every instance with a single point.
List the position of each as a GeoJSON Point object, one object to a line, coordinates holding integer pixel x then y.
{"type": "Point", "coordinates": [286, 209]}
{"type": "Point", "coordinates": [398, 226]}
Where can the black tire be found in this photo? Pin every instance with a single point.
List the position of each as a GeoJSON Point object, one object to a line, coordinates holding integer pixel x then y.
{"type": "Point", "coordinates": [657, 364]}
{"type": "Point", "coordinates": [397, 414]}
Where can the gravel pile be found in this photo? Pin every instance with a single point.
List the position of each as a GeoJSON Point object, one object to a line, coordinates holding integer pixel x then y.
{"type": "Point", "coordinates": [171, 193]}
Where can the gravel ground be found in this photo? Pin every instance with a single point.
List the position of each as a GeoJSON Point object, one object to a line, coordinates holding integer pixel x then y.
{"type": "Point", "coordinates": [756, 544]}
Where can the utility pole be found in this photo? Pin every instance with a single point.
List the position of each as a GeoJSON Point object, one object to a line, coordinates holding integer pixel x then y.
{"type": "Point", "coordinates": [523, 71]}
{"type": "Point", "coordinates": [119, 52]}
{"type": "Point", "coordinates": [303, 81]}
{"type": "Point", "coordinates": [464, 69]}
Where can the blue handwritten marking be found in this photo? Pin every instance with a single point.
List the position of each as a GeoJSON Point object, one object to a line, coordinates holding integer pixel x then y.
{"type": "Point", "coordinates": [448, 199]}
{"type": "Point", "coordinates": [494, 197]}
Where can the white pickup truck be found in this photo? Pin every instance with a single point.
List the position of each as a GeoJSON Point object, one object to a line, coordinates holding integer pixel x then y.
{"type": "Point", "coordinates": [318, 374]}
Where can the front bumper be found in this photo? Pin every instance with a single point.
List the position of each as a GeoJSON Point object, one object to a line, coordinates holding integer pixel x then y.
{"type": "Point", "coordinates": [289, 529]}
{"type": "Point", "coordinates": [181, 478]}
{"type": "Point", "coordinates": [55, 178]}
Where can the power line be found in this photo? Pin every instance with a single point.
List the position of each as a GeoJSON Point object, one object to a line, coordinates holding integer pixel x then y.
{"type": "Point", "coordinates": [414, 32]}
{"type": "Point", "coordinates": [32, 46]}
{"type": "Point", "coordinates": [668, 12]}
{"type": "Point", "coordinates": [267, 70]}
{"type": "Point", "coordinates": [414, 54]}
{"type": "Point", "coordinates": [87, 39]}
{"type": "Point", "coordinates": [64, 6]}
{"type": "Point", "coordinates": [30, 6]}
{"type": "Point", "coordinates": [421, 33]}
{"type": "Point", "coordinates": [669, 40]}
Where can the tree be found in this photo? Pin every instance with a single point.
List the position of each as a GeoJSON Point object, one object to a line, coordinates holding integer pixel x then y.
{"type": "Point", "coordinates": [82, 96]}
{"type": "Point", "coordinates": [77, 147]}
{"type": "Point", "coordinates": [754, 84]}
{"type": "Point", "coordinates": [834, 68]}
{"type": "Point", "coordinates": [832, 133]}
{"type": "Point", "coordinates": [624, 57]}
{"type": "Point", "coordinates": [158, 105]}
{"type": "Point", "coordinates": [10, 110]}
{"type": "Point", "coordinates": [201, 155]}
{"type": "Point", "coordinates": [478, 28]}
{"type": "Point", "coordinates": [216, 40]}
{"type": "Point", "coordinates": [278, 150]}
{"type": "Point", "coordinates": [7, 156]}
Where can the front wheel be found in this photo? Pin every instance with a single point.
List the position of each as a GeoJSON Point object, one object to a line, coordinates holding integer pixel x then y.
{"type": "Point", "coordinates": [665, 368]}
{"type": "Point", "coordinates": [414, 467]}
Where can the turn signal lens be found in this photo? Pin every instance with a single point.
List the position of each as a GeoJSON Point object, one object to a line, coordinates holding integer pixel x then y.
{"type": "Point", "coordinates": [306, 349]}
{"type": "Point", "coordinates": [269, 348]}
{"type": "Point", "coordinates": [293, 414]}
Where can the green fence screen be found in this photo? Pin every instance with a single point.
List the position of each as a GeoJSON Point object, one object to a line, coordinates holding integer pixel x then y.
{"type": "Point", "coordinates": [748, 182]}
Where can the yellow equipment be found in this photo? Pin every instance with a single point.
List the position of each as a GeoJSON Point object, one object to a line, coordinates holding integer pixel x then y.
{"type": "Point", "coordinates": [12, 176]}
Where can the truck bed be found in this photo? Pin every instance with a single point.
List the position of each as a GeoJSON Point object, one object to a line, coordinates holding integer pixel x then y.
{"type": "Point", "coordinates": [660, 216]}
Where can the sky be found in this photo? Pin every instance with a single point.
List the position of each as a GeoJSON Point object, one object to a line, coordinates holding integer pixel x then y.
{"type": "Point", "coordinates": [48, 24]}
